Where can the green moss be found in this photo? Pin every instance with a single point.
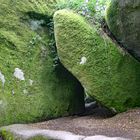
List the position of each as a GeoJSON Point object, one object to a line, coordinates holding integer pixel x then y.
{"type": "Point", "coordinates": [6, 135]}
{"type": "Point", "coordinates": [113, 11]}
{"type": "Point", "coordinates": [53, 93]}
{"type": "Point", "coordinates": [110, 75]}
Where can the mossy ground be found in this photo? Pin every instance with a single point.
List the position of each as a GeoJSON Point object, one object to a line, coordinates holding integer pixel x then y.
{"type": "Point", "coordinates": [53, 93]}
{"type": "Point", "coordinates": [110, 75]}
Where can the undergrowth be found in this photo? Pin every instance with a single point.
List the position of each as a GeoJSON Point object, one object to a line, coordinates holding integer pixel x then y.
{"type": "Point", "coordinates": [93, 10]}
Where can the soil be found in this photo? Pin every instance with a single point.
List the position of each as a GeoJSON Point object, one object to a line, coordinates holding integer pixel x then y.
{"type": "Point", "coordinates": [126, 125]}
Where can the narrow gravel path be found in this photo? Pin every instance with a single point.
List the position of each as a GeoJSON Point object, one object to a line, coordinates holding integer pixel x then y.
{"type": "Point", "coordinates": [126, 125]}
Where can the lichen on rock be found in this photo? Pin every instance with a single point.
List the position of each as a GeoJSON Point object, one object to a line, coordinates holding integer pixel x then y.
{"type": "Point", "coordinates": [19, 74]}
{"type": "Point", "coordinates": [2, 79]}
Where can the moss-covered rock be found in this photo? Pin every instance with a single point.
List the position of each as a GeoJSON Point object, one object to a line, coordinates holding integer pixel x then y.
{"type": "Point", "coordinates": [123, 19]}
{"type": "Point", "coordinates": [36, 90]}
{"type": "Point", "coordinates": [106, 71]}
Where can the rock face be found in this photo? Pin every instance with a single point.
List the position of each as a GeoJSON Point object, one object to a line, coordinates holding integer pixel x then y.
{"type": "Point", "coordinates": [123, 19]}
{"type": "Point", "coordinates": [31, 89]}
{"type": "Point", "coordinates": [107, 73]}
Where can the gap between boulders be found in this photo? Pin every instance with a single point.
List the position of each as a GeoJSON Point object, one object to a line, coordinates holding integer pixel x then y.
{"type": "Point", "coordinates": [92, 106]}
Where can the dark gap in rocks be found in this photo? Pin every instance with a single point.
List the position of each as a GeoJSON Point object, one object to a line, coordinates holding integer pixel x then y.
{"type": "Point", "coordinates": [106, 29]}
{"type": "Point", "coordinates": [38, 16]}
{"type": "Point", "coordinates": [92, 107]}
{"type": "Point", "coordinates": [99, 111]}
{"type": "Point", "coordinates": [62, 72]}
{"type": "Point", "coordinates": [96, 109]}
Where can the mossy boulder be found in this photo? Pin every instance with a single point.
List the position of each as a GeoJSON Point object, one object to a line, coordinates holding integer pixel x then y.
{"type": "Point", "coordinates": [31, 87]}
{"type": "Point", "coordinates": [107, 72]}
{"type": "Point", "coordinates": [123, 19]}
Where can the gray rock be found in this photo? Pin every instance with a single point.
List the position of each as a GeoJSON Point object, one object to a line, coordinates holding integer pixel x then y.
{"type": "Point", "coordinates": [123, 19]}
{"type": "Point", "coordinates": [24, 132]}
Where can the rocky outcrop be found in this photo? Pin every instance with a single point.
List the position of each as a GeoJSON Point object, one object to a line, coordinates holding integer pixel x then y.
{"type": "Point", "coordinates": [31, 88]}
{"type": "Point", "coordinates": [123, 19]}
{"type": "Point", "coordinates": [35, 85]}
{"type": "Point", "coordinates": [106, 71]}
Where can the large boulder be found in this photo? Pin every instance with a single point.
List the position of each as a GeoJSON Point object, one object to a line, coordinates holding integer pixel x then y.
{"type": "Point", "coordinates": [123, 19]}
{"type": "Point", "coordinates": [106, 71]}
{"type": "Point", "coordinates": [31, 87]}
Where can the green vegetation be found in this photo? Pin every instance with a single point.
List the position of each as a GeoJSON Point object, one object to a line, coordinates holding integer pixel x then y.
{"type": "Point", "coordinates": [112, 12]}
{"type": "Point", "coordinates": [108, 74]}
{"type": "Point", "coordinates": [93, 10]}
{"type": "Point", "coordinates": [24, 44]}
{"type": "Point", "coordinates": [7, 135]}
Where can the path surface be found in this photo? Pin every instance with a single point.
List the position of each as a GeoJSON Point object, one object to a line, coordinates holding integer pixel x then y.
{"type": "Point", "coordinates": [126, 125]}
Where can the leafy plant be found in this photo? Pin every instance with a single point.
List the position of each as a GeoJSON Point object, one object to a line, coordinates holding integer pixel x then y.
{"type": "Point", "coordinates": [69, 4]}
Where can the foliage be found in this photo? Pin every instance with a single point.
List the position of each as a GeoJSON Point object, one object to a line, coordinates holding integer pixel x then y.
{"type": "Point", "coordinates": [7, 135]}
{"type": "Point", "coordinates": [91, 9]}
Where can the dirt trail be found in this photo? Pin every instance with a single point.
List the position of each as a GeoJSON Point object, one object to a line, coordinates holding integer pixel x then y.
{"type": "Point", "coordinates": [125, 125]}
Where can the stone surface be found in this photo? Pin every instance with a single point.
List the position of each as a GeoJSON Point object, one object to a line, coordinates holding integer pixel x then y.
{"type": "Point", "coordinates": [126, 125]}
{"type": "Point", "coordinates": [24, 132]}
{"type": "Point", "coordinates": [123, 19]}
{"type": "Point", "coordinates": [109, 75]}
